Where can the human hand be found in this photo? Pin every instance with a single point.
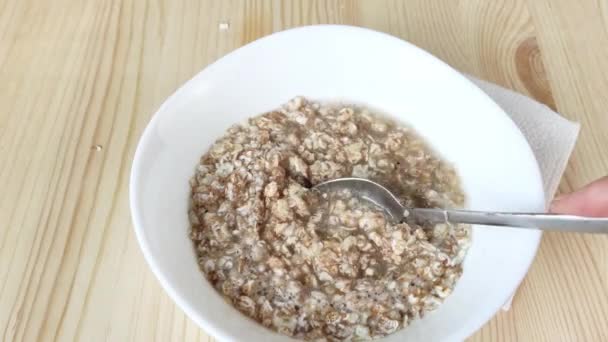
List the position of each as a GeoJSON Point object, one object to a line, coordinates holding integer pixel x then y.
{"type": "Point", "coordinates": [591, 200]}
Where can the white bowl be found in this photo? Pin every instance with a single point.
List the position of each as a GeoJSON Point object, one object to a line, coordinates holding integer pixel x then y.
{"type": "Point", "coordinates": [466, 127]}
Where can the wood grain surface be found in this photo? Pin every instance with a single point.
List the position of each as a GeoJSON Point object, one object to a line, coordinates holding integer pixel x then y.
{"type": "Point", "coordinates": [79, 80]}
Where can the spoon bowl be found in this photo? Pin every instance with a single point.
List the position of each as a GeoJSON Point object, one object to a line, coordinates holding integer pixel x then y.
{"type": "Point", "coordinates": [369, 191]}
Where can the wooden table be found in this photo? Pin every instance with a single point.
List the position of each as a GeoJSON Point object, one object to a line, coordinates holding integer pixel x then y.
{"type": "Point", "coordinates": [79, 81]}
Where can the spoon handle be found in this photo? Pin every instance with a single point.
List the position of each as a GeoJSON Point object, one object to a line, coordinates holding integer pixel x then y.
{"type": "Point", "coordinates": [548, 222]}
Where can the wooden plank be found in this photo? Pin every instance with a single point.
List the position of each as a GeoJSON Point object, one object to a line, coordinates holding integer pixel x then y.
{"type": "Point", "coordinates": [80, 80]}
{"type": "Point", "coordinates": [572, 270]}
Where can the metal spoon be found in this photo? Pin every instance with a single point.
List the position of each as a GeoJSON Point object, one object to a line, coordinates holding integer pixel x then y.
{"type": "Point", "coordinates": [382, 197]}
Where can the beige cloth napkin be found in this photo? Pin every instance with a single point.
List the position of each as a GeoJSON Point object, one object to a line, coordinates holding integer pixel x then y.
{"type": "Point", "coordinates": [551, 137]}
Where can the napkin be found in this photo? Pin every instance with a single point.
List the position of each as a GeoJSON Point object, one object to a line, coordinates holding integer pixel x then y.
{"type": "Point", "coordinates": [550, 136]}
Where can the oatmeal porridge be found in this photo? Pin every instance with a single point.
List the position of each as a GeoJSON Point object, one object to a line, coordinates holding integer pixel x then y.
{"type": "Point", "coordinates": [324, 266]}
